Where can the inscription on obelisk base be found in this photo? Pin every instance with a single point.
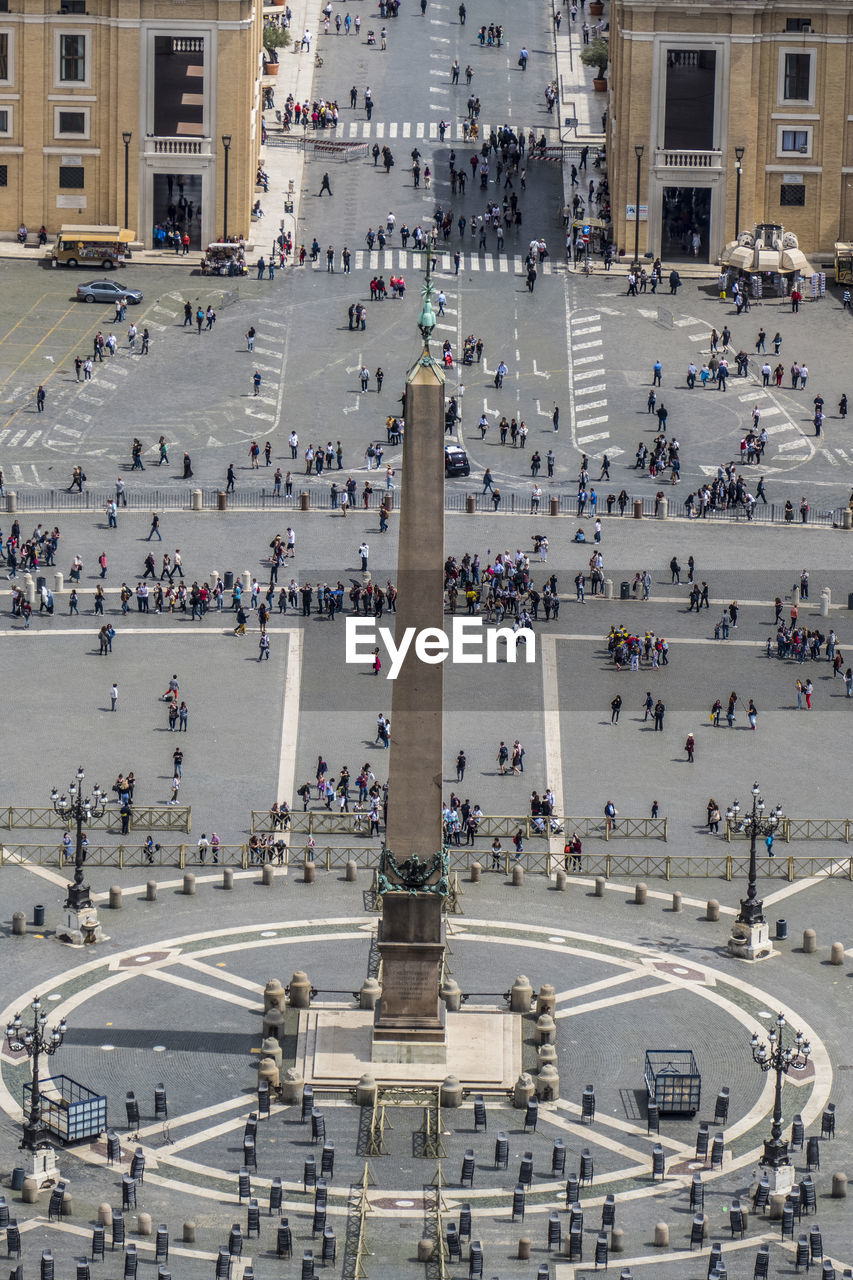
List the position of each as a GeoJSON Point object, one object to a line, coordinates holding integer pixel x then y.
{"type": "Point", "coordinates": [409, 1022]}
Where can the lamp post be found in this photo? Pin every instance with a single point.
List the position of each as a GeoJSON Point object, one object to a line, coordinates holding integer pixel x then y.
{"type": "Point", "coordinates": [126, 137]}
{"type": "Point", "coordinates": [638, 151]}
{"type": "Point", "coordinates": [775, 1056]}
{"type": "Point", "coordinates": [738, 172]}
{"type": "Point", "coordinates": [77, 808]}
{"type": "Point", "coordinates": [754, 824]}
{"type": "Point", "coordinates": [34, 1041]}
{"type": "Point", "coordinates": [226, 142]}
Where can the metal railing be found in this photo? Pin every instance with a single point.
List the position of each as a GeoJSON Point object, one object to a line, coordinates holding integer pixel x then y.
{"type": "Point", "coordinates": [805, 829]}
{"type": "Point", "coordinates": [688, 159]}
{"type": "Point", "coordinates": [44, 817]}
{"type": "Point", "coordinates": [325, 822]}
{"type": "Point", "coordinates": [124, 855]}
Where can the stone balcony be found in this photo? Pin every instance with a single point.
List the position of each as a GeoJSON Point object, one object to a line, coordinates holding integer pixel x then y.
{"type": "Point", "coordinates": [667, 158]}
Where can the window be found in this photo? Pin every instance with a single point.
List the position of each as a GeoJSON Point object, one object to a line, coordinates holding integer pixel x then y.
{"type": "Point", "coordinates": [4, 55]}
{"type": "Point", "coordinates": [795, 140]}
{"type": "Point", "coordinates": [71, 122]}
{"type": "Point", "coordinates": [73, 6]}
{"type": "Point", "coordinates": [4, 175]}
{"type": "Point", "coordinates": [797, 77]}
{"type": "Point", "coordinates": [792, 193]}
{"type": "Point", "coordinates": [798, 24]}
{"type": "Point", "coordinates": [5, 121]}
{"type": "Point", "coordinates": [72, 58]}
{"type": "Point", "coordinates": [71, 176]}
{"type": "Point", "coordinates": [4, 6]}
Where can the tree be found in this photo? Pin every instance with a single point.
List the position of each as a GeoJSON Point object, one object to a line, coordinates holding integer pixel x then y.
{"type": "Point", "coordinates": [597, 54]}
{"type": "Point", "coordinates": [275, 38]}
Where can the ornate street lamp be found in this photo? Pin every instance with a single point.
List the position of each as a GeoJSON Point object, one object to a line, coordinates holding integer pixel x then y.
{"type": "Point", "coordinates": [126, 137]}
{"type": "Point", "coordinates": [638, 151]}
{"type": "Point", "coordinates": [738, 172]}
{"type": "Point", "coordinates": [34, 1041]}
{"type": "Point", "coordinates": [226, 143]}
{"type": "Point", "coordinates": [78, 808]}
{"type": "Point", "coordinates": [750, 938]}
{"type": "Point", "coordinates": [776, 1056]}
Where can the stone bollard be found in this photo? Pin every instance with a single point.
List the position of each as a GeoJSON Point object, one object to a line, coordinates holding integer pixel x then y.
{"type": "Point", "coordinates": [195, 505]}
{"type": "Point", "coordinates": [58, 582]}
{"type": "Point", "coordinates": [825, 602]}
{"type": "Point", "coordinates": [777, 1201]}
{"type": "Point", "coordinates": [29, 588]}
{"type": "Point", "coordinates": [546, 1001]}
{"type": "Point", "coordinates": [189, 1233]}
{"type": "Point", "coordinates": [641, 892]}
{"type": "Point", "coordinates": [143, 1224]}
{"type": "Point", "coordinates": [476, 872]}
{"type": "Point", "coordinates": [450, 1092]}
{"type": "Point", "coordinates": [600, 882]}
{"type": "Point", "coordinates": [836, 953]}
{"type": "Point", "coordinates": [795, 595]}
{"type": "Point", "coordinates": [546, 1055]}
{"type": "Point", "coordinates": [292, 1085]}
{"type": "Point", "coordinates": [274, 995]}
{"type": "Point", "coordinates": [227, 877]}
{"type": "Point", "coordinates": [839, 1186]}
{"type": "Point", "coordinates": [523, 1091]}
{"type": "Point", "coordinates": [67, 1204]}
{"type": "Point", "coordinates": [105, 1215]}
{"type": "Point", "coordinates": [676, 902]}
{"type": "Point", "coordinates": [19, 924]}
{"type": "Point", "coordinates": [369, 994]}
{"type": "Point", "coordinates": [524, 1248]}
{"type": "Point", "coordinates": [847, 518]}
{"type": "Point", "coordinates": [351, 873]}
{"type": "Point", "coordinates": [561, 882]}
{"type": "Point", "coordinates": [661, 1235]}
{"type": "Point", "coordinates": [309, 871]}
{"type": "Point", "coordinates": [554, 506]}
{"type": "Point", "coordinates": [546, 1029]}
{"type": "Point", "coordinates": [712, 909]}
{"type": "Point", "coordinates": [809, 941]}
{"type": "Point", "coordinates": [608, 588]}
{"type": "Point", "coordinates": [617, 1240]}
{"type": "Point", "coordinates": [115, 897]}
{"type": "Point", "coordinates": [11, 501]}
{"type": "Point", "coordinates": [451, 994]}
{"type": "Point", "coordinates": [270, 1048]}
{"type": "Point", "coordinates": [151, 891]}
{"type": "Point", "coordinates": [547, 1083]}
{"type": "Point", "coordinates": [300, 990]}
{"type": "Point", "coordinates": [520, 995]}
{"type": "Point", "coordinates": [663, 508]}
{"type": "Point", "coordinates": [426, 1248]}
{"type": "Point", "coordinates": [189, 884]}
{"type": "Point", "coordinates": [268, 1070]}
{"type": "Point", "coordinates": [246, 579]}
{"type": "Point", "coordinates": [638, 508]}
{"type": "Point", "coordinates": [517, 876]}
{"type": "Point", "coordinates": [273, 1024]}
{"type": "Point", "coordinates": [365, 1091]}
{"type": "Point", "coordinates": [30, 1191]}
{"type": "Point", "coordinates": [267, 875]}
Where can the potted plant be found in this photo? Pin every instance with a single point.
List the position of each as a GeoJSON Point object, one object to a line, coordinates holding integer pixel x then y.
{"type": "Point", "coordinates": [596, 8]}
{"type": "Point", "coordinates": [275, 38]}
{"type": "Point", "coordinates": [597, 54]}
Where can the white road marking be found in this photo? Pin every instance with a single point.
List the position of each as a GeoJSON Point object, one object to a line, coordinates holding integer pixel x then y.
{"type": "Point", "coordinates": [602, 435]}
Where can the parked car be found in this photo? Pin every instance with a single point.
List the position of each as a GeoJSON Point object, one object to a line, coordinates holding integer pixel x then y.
{"type": "Point", "coordinates": [107, 291]}
{"type": "Point", "coordinates": [456, 461]}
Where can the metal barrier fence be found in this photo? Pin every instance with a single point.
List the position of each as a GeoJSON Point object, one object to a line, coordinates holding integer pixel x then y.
{"type": "Point", "coordinates": [805, 829]}
{"type": "Point", "coordinates": [152, 817]}
{"type": "Point", "coordinates": [124, 855]}
{"type": "Point", "coordinates": [326, 822]}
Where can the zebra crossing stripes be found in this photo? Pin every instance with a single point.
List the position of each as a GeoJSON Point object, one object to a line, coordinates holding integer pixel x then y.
{"type": "Point", "coordinates": [380, 130]}
{"type": "Point", "coordinates": [406, 259]}
{"type": "Point", "coordinates": [583, 409]}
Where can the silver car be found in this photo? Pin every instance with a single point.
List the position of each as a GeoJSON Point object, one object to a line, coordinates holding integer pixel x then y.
{"type": "Point", "coordinates": [107, 291]}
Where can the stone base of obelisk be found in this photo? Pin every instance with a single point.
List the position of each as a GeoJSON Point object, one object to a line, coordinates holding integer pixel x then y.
{"type": "Point", "coordinates": [409, 1019]}
{"type": "Point", "coordinates": [750, 941]}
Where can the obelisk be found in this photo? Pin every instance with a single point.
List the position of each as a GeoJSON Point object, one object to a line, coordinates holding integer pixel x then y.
{"type": "Point", "coordinates": [409, 1024]}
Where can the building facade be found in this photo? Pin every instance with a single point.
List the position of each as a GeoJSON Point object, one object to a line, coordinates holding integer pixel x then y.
{"type": "Point", "coordinates": [106, 99]}
{"type": "Point", "coordinates": [740, 110]}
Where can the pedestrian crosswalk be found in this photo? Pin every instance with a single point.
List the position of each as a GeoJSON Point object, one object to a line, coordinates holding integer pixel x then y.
{"type": "Point", "coordinates": [587, 374]}
{"type": "Point", "coordinates": [407, 259]}
{"type": "Point", "coordinates": [388, 130]}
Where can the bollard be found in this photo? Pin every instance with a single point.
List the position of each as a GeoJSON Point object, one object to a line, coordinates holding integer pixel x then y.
{"type": "Point", "coordinates": [836, 953]}
{"type": "Point", "coordinates": [600, 882]}
{"type": "Point", "coordinates": [676, 902]}
{"type": "Point", "coordinates": [476, 870]}
{"type": "Point", "coordinates": [809, 941]}
{"type": "Point", "coordinates": [470, 505]}
{"type": "Point", "coordinates": [365, 1091]}
{"type": "Point", "coordinates": [58, 581]}
{"type": "Point", "coordinates": [29, 588]}
{"type": "Point", "coordinates": [839, 1186]}
{"type": "Point", "coordinates": [546, 1029]}
{"type": "Point", "coordinates": [189, 1233]}
{"type": "Point", "coordinates": [663, 508]}
{"type": "Point", "coordinates": [151, 891]}
{"type": "Point", "coordinates": [661, 1235]}
{"type": "Point", "coordinates": [189, 884]}
{"type": "Point", "coordinates": [246, 579]}
{"type": "Point", "coordinates": [195, 500]}
{"type": "Point", "coordinates": [300, 990]}
{"type": "Point", "coordinates": [304, 500]}
{"type": "Point", "coordinates": [292, 1087]}
{"type": "Point", "coordinates": [19, 924]}
{"type": "Point", "coordinates": [143, 1224]}
{"type": "Point", "coordinates": [11, 501]}
{"type": "Point", "coordinates": [524, 1248]}
{"type": "Point", "coordinates": [426, 1248]}
{"type": "Point", "coordinates": [554, 506]}
{"type": "Point", "coordinates": [268, 1071]}
{"type": "Point", "coordinates": [222, 500]}
{"type": "Point", "coordinates": [274, 995]}
{"type": "Point", "coordinates": [351, 873]}
{"type": "Point", "coordinates": [617, 1240]}
{"type": "Point", "coordinates": [270, 1048]}
{"type": "Point", "coordinates": [638, 508]}
{"type": "Point", "coordinates": [847, 518]}
{"type": "Point", "coordinates": [777, 1200]}
{"type": "Point", "coordinates": [562, 881]}
{"type": "Point", "coordinates": [523, 1091]}
{"type": "Point", "coordinates": [517, 876]}
{"type": "Point", "coordinates": [608, 588]}
{"type": "Point", "coordinates": [227, 878]}
{"type": "Point", "coordinates": [795, 595]}
{"type": "Point", "coordinates": [825, 602]}
{"type": "Point", "coordinates": [641, 892]}
{"type": "Point", "coordinates": [105, 1215]}
{"type": "Point", "coordinates": [30, 1191]}
{"type": "Point", "coordinates": [521, 995]}
{"type": "Point", "coordinates": [115, 897]}
{"type": "Point", "coordinates": [450, 1093]}
{"type": "Point", "coordinates": [546, 1001]}
{"type": "Point", "coordinates": [451, 994]}
{"type": "Point", "coordinates": [267, 874]}
{"type": "Point", "coordinates": [369, 994]}
{"type": "Point", "coordinates": [712, 909]}
{"type": "Point", "coordinates": [308, 872]}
